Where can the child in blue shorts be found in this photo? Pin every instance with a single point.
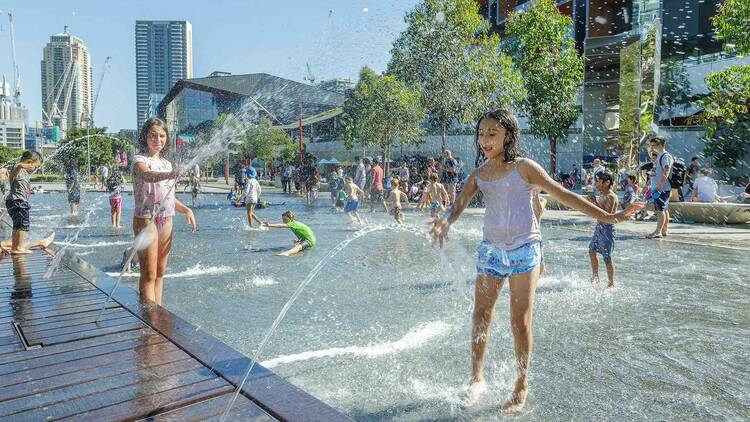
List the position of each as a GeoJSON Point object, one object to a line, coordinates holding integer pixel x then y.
{"type": "Point", "coordinates": [353, 195]}
{"type": "Point", "coordinates": [603, 240]}
{"type": "Point", "coordinates": [510, 251]}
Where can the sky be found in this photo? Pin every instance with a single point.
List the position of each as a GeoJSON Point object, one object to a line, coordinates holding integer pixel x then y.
{"type": "Point", "coordinates": [270, 36]}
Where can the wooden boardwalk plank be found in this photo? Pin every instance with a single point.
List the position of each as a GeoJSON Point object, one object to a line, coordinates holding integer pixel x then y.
{"type": "Point", "coordinates": [64, 338]}
{"type": "Point", "coordinates": [39, 336]}
{"type": "Point", "coordinates": [99, 346]}
{"type": "Point", "coordinates": [23, 310]}
{"type": "Point", "coordinates": [44, 325]}
{"type": "Point", "coordinates": [98, 385]}
{"type": "Point", "coordinates": [57, 312]}
{"type": "Point", "coordinates": [37, 373]}
{"type": "Point", "coordinates": [243, 409]}
{"type": "Point", "coordinates": [88, 315]}
{"type": "Point", "coordinates": [128, 401]}
{"type": "Point", "coordinates": [39, 298]}
{"type": "Point", "coordinates": [38, 386]}
{"type": "Point", "coordinates": [157, 403]}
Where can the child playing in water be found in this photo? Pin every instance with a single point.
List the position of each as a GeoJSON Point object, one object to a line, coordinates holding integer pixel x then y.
{"type": "Point", "coordinates": [17, 202]}
{"type": "Point", "coordinates": [195, 186]}
{"type": "Point", "coordinates": [511, 248]}
{"type": "Point", "coordinates": [114, 186]}
{"type": "Point", "coordinates": [73, 187]}
{"type": "Point", "coordinates": [353, 195]}
{"type": "Point", "coordinates": [250, 196]}
{"type": "Point", "coordinates": [395, 196]}
{"type": "Point", "coordinates": [437, 195]}
{"type": "Point", "coordinates": [603, 240]}
{"type": "Point", "coordinates": [155, 204]}
{"type": "Point", "coordinates": [305, 236]}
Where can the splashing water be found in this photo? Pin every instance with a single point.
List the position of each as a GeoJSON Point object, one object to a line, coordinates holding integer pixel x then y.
{"type": "Point", "coordinates": [144, 238]}
{"type": "Point", "coordinates": [70, 240]}
{"type": "Point", "coordinates": [330, 255]}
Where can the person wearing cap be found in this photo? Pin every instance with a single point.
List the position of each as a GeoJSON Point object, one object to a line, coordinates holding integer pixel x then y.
{"type": "Point", "coordinates": [251, 196]}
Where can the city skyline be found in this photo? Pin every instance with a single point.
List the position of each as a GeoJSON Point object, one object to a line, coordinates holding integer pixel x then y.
{"type": "Point", "coordinates": [337, 38]}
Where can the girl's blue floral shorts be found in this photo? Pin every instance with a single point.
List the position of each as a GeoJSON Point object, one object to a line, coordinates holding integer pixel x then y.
{"type": "Point", "coordinates": [502, 264]}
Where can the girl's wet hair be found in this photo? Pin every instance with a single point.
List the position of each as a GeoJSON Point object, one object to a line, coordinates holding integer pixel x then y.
{"type": "Point", "coordinates": [508, 121]}
{"type": "Point", "coordinates": [143, 136]}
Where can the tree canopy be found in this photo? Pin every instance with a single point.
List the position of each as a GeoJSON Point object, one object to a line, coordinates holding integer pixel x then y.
{"type": "Point", "coordinates": [74, 148]}
{"type": "Point", "coordinates": [725, 107]}
{"type": "Point", "coordinates": [543, 50]}
{"type": "Point", "coordinates": [382, 110]}
{"type": "Point", "coordinates": [449, 55]}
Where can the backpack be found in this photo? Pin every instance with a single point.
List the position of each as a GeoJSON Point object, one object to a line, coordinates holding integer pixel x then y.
{"type": "Point", "coordinates": [677, 178]}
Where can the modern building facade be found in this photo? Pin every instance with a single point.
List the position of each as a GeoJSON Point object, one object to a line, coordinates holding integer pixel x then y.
{"type": "Point", "coordinates": [192, 105]}
{"type": "Point", "coordinates": [66, 82]}
{"type": "Point", "coordinates": [633, 49]}
{"type": "Point", "coordinates": [13, 119]}
{"type": "Point", "coordinates": [163, 56]}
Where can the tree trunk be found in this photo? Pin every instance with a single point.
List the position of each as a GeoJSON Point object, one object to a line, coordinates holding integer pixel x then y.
{"type": "Point", "coordinates": [442, 139]}
{"type": "Point", "coordinates": [553, 157]}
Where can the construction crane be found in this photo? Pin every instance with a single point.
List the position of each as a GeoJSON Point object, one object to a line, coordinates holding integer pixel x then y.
{"type": "Point", "coordinates": [310, 77]}
{"type": "Point", "coordinates": [99, 88]}
{"type": "Point", "coordinates": [16, 74]}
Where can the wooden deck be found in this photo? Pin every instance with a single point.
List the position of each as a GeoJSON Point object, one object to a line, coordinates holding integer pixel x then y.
{"type": "Point", "coordinates": [139, 362]}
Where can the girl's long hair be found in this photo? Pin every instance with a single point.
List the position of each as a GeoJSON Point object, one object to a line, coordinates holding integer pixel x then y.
{"type": "Point", "coordinates": [143, 136]}
{"type": "Point", "coordinates": [508, 121]}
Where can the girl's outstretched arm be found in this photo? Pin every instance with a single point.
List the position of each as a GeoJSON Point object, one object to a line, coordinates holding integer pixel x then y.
{"type": "Point", "coordinates": [440, 227]}
{"type": "Point", "coordinates": [273, 225]}
{"type": "Point", "coordinates": [141, 171]}
{"type": "Point", "coordinates": [536, 175]}
{"type": "Point", "coordinates": [180, 207]}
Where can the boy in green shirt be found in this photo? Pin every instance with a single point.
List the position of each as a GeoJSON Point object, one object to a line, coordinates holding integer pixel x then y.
{"type": "Point", "coordinates": [305, 236]}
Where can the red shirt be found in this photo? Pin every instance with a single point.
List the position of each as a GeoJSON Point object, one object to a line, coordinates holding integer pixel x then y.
{"type": "Point", "coordinates": [377, 178]}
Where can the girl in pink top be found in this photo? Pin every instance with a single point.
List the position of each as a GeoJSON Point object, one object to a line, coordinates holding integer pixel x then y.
{"type": "Point", "coordinates": [511, 248]}
{"type": "Point", "coordinates": [155, 204]}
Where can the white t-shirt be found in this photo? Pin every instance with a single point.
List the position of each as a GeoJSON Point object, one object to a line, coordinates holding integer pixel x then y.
{"type": "Point", "coordinates": [252, 191]}
{"type": "Point", "coordinates": [706, 188]}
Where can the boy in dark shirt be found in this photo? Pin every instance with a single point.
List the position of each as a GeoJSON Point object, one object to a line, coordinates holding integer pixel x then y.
{"type": "Point", "coordinates": [17, 201]}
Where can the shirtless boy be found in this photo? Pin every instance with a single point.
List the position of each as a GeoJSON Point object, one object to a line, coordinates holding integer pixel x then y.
{"type": "Point", "coordinates": [603, 240]}
{"type": "Point", "coordinates": [395, 196]}
{"type": "Point", "coordinates": [437, 196]}
{"type": "Point", "coordinates": [353, 195]}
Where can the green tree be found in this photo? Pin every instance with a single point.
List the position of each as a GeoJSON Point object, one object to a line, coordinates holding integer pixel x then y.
{"type": "Point", "coordinates": [448, 53]}
{"type": "Point", "coordinates": [265, 142]}
{"type": "Point", "coordinates": [675, 89]}
{"type": "Point", "coordinates": [9, 155]}
{"type": "Point", "coordinates": [539, 40]}
{"type": "Point", "coordinates": [725, 106]}
{"type": "Point", "coordinates": [74, 148]}
{"type": "Point", "coordinates": [383, 110]}
{"type": "Point", "coordinates": [732, 25]}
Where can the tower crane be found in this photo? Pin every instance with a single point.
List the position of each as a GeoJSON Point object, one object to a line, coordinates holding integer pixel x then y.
{"type": "Point", "coordinates": [310, 76]}
{"type": "Point", "coordinates": [99, 89]}
{"type": "Point", "coordinates": [16, 75]}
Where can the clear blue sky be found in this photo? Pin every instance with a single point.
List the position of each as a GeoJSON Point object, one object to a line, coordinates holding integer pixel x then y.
{"type": "Point", "coordinates": [271, 36]}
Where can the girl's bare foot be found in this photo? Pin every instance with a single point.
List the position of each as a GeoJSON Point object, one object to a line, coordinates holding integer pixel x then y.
{"type": "Point", "coordinates": [518, 398]}
{"type": "Point", "coordinates": [474, 393]}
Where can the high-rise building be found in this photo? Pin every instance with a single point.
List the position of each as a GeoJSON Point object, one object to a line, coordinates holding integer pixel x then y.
{"type": "Point", "coordinates": [163, 55]}
{"type": "Point", "coordinates": [66, 82]}
{"type": "Point", "coordinates": [12, 119]}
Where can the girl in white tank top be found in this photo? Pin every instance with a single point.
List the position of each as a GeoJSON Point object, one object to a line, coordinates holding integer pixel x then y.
{"type": "Point", "coordinates": [511, 245]}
